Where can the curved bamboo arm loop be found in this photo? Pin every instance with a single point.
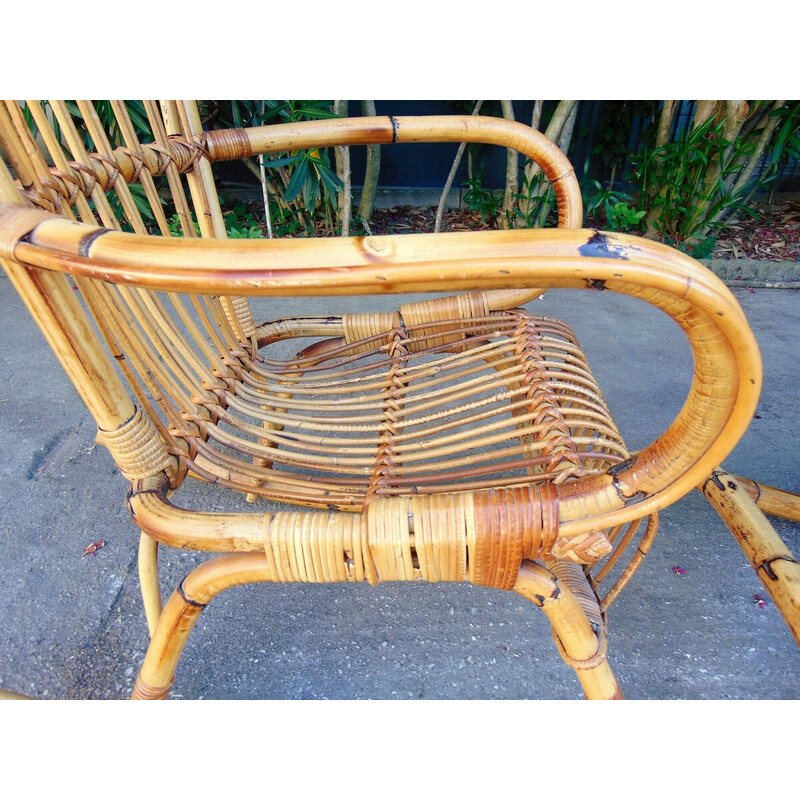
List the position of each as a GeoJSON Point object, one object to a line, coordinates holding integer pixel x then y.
{"type": "Point", "coordinates": [727, 375]}
{"type": "Point", "coordinates": [244, 142]}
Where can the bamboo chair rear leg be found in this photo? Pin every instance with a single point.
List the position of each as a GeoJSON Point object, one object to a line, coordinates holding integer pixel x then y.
{"type": "Point", "coordinates": [148, 580]}
{"type": "Point", "coordinates": [582, 648]}
{"type": "Point", "coordinates": [773, 562]}
{"type": "Point", "coordinates": [771, 500]}
{"type": "Point", "coordinates": [181, 612]}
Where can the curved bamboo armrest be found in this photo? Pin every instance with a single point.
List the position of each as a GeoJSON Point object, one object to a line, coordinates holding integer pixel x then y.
{"type": "Point", "coordinates": [727, 374]}
{"type": "Point", "coordinates": [222, 145]}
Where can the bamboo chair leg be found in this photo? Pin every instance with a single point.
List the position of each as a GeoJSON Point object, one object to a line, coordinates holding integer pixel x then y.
{"type": "Point", "coordinates": [582, 649]}
{"type": "Point", "coordinates": [181, 612]}
{"type": "Point", "coordinates": [771, 500]}
{"type": "Point", "coordinates": [581, 646]}
{"type": "Point", "coordinates": [148, 580]}
{"type": "Point", "coordinates": [774, 564]}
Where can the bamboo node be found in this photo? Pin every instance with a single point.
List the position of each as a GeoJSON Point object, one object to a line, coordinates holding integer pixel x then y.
{"type": "Point", "coordinates": [766, 565]}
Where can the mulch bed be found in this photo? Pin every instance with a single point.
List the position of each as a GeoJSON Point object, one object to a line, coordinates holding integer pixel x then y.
{"type": "Point", "coordinates": [772, 235]}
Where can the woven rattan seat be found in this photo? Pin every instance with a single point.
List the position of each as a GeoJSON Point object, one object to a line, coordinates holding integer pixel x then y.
{"type": "Point", "coordinates": [497, 400]}
{"type": "Point", "coordinates": [458, 438]}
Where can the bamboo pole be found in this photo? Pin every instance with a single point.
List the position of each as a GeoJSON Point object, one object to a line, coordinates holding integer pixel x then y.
{"type": "Point", "coordinates": [774, 564]}
{"type": "Point", "coordinates": [148, 580]}
{"type": "Point", "coordinates": [182, 611]}
{"type": "Point", "coordinates": [372, 172]}
{"type": "Point", "coordinates": [770, 500]}
{"type": "Point", "coordinates": [6, 695]}
{"type": "Point", "coordinates": [581, 644]}
{"type": "Point", "coordinates": [437, 225]}
{"type": "Point", "coordinates": [582, 647]}
{"type": "Point", "coordinates": [245, 142]}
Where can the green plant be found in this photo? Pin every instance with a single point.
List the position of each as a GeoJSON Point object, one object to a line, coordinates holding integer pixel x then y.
{"type": "Point", "coordinates": [175, 229]}
{"type": "Point", "coordinates": [241, 223]}
{"type": "Point", "coordinates": [311, 175]}
{"type": "Point", "coordinates": [534, 202]}
{"type": "Point", "coordinates": [621, 217]}
{"type": "Point", "coordinates": [704, 248]}
{"type": "Point", "coordinates": [786, 141]}
{"type": "Point", "coordinates": [244, 221]}
{"type": "Point", "coordinates": [302, 181]}
{"type": "Point", "coordinates": [614, 129]}
{"type": "Point", "coordinates": [618, 214]}
{"type": "Point", "coordinates": [685, 184]}
{"type": "Point", "coordinates": [479, 198]}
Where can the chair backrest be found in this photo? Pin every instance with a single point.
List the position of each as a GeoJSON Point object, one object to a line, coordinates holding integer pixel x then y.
{"type": "Point", "coordinates": [138, 167]}
{"type": "Point", "coordinates": [145, 168]}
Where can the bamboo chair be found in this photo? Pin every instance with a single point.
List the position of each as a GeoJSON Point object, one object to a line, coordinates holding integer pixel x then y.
{"type": "Point", "coordinates": [456, 439]}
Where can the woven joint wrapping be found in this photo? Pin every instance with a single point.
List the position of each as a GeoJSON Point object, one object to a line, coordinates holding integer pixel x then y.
{"type": "Point", "coordinates": [103, 172]}
{"type": "Point", "coordinates": [369, 327]}
{"type": "Point", "coordinates": [480, 537]}
{"type": "Point", "coordinates": [136, 447]}
{"type": "Point", "coordinates": [313, 548]}
{"type": "Point", "coordinates": [426, 318]}
{"type": "Point", "coordinates": [427, 323]}
{"type": "Point", "coordinates": [17, 222]}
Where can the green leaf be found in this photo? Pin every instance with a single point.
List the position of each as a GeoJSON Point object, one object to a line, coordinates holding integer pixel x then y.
{"type": "Point", "coordinates": [310, 191]}
{"type": "Point", "coordinates": [283, 162]}
{"type": "Point", "coordinates": [330, 178]}
{"type": "Point", "coordinates": [296, 182]}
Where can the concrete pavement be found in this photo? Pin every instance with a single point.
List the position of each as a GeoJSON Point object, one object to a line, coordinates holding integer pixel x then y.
{"type": "Point", "coordinates": [72, 626]}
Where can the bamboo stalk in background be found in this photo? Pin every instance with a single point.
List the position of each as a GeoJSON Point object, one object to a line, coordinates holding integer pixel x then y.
{"type": "Point", "coordinates": [554, 130]}
{"type": "Point", "coordinates": [342, 156]}
{"type": "Point", "coordinates": [507, 217]}
{"type": "Point", "coordinates": [372, 173]}
{"type": "Point", "coordinates": [437, 226]}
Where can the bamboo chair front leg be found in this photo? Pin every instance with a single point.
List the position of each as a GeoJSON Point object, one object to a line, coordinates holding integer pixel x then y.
{"type": "Point", "coordinates": [148, 580]}
{"type": "Point", "coordinates": [580, 647]}
{"type": "Point", "coordinates": [182, 611]}
{"type": "Point", "coordinates": [774, 564]}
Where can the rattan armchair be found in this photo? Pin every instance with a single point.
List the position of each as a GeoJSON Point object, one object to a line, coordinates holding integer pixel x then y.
{"type": "Point", "coordinates": [459, 438]}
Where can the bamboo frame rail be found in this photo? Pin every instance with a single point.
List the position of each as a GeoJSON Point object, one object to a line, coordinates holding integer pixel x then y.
{"type": "Point", "coordinates": [456, 439]}
{"type": "Point", "coordinates": [716, 413]}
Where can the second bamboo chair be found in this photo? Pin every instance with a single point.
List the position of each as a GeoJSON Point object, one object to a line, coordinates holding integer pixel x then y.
{"type": "Point", "coordinates": [456, 439]}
